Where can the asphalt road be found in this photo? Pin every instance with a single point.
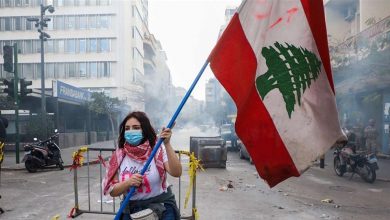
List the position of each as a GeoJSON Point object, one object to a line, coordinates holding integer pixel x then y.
{"type": "Point", "coordinates": [48, 193]}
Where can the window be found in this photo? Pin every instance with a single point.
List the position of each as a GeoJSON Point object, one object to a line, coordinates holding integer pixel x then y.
{"type": "Point", "coordinates": [68, 2]}
{"type": "Point", "coordinates": [50, 24]}
{"type": "Point", "coordinates": [49, 47]}
{"type": "Point", "coordinates": [70, 46]}
{"type": "Point", "coordinates": [82, 22]}
{"type": "Point", "coordinates": [36, 46]}
{"type": "Point", "coordinates": [72, 70]}
{"type": "Point", "coordinates": [93, 69]}
{"type": "Point", "coordinates": [7, 3]}
{"type": "Point", "coordinates": [60, 2]}
{"type": "Point", "coordinates": [106, 69]}
{"type": "Point", "coordinates": [82, 46]}
{"type": "Point", "coordinates": [92, 21]}
{"type": "Point", "coordinates": [92, 45]}
{"type": "Point", "coordinates": [104, 2]}
{"type": "Point", "coordinates": [60, 71]}
{"type": "Point", "coordinates": [28, 70]}
{"type": "Point", "coordinates": [104, 45]}
{"type": "Point", "coordinates": [70, 22]}
{"type": "Point", "coordinates": [60, 46]}
{"type": "Point", "coordinates": [29, 25]}
{"type": "Point", "coordinates": [28, 47]}
{"type": "Point", "coordinates": [92, 2]}
{"type": "Point", "coordinates": [83, 69]}
{"type": "Point", "coordinates": [7, 23]}
{"type": "Point", "coordinates": [18, 23]}
{"type": "Point", "coordinates": [49, 71]}
{"type": "Point", "coordinates": [81, 2]}
{"type": "Point", "coordinates": [59, 22]}
{"type": "Point", "coordinates": [104, 21]}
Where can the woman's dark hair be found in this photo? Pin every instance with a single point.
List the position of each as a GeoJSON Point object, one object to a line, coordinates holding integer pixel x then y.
{"type": "Point", "coordinates": [147, 129]}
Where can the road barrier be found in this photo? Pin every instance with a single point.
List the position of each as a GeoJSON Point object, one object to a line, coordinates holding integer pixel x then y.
{"type": "Point", "coordinates": [78, 161]}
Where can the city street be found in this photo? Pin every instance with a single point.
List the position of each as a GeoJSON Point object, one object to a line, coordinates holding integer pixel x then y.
{"type": "Point", "coordinates": [318, 194]}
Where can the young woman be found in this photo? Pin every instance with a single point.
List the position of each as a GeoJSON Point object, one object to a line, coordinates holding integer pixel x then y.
{"type": "Point", "coordinates": [136, 140]}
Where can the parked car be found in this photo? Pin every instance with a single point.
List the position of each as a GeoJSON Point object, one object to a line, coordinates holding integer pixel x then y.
{"type": "Point", "coordinates": [228, 134]}
{"type": "Point", "coordinates": [243, 152]}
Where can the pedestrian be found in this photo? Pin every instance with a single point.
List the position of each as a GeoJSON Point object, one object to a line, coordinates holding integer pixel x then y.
{"type": "Point", "coordinates": [136, 140]}
{"type": "Point", "coordinates": [3, 135]}
{"type": "Point", "coordinates": [371, 134]}
{"type": "Point", "coordinates": [358, 130]}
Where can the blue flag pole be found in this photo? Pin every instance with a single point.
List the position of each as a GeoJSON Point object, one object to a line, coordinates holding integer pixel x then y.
{"type": "Point", "coordinates": [160, 140]}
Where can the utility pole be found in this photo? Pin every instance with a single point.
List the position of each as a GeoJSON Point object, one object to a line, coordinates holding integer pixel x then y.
{"type": "Point", "coordinates": [16, 81]}
{"type": "Point", "coordinates": [41, 24]}
{"type": "Point", "coordinates": [10, 55]}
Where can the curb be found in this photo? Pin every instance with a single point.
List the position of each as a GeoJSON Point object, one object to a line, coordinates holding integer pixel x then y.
{"type": "Point", "coordinates": [383, 156]}
{"type": "Point", "coordinates": [65, 166]}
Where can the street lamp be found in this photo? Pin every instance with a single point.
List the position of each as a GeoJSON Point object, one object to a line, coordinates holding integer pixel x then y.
{"type": "Point", "coordinates": [41, 24]}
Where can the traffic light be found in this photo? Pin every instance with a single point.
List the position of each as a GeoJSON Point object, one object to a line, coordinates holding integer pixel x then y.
{"type": "Point", "coordinates": [8, 56]}
{"type": "Point", "coordinates": [23, 87]}
{"type": "Point", "coordinates": [10, 87]}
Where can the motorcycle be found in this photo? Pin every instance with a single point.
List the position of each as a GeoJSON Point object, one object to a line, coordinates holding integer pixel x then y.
{"type": "Point", "coordinates": [347, 160]}
{"type": "Point", "coordinates": [42, 154]}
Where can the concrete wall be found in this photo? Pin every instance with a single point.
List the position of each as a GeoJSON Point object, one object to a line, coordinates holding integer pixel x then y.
{"type": "Point", "coordinates": [75, 139]}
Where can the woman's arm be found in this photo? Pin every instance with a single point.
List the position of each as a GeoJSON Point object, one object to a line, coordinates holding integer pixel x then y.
{"type": "Point", "coordinates": [121, 187]}
{"type": "Point", "coordinates": [173, 166]}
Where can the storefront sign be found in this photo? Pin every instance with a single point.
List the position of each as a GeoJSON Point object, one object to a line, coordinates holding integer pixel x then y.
{"type": "Point", "coordinates": [71, 93]}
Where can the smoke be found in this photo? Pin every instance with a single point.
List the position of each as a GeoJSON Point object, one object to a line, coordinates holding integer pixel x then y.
{"type": "Point", "coordinates": [181, 135]}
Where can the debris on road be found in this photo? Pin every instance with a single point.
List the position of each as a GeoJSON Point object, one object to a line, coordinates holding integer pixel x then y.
{"type": "Point", "coordinates": [327, 200]}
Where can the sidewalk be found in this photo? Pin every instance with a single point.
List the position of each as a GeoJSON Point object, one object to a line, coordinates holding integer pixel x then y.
{"type": "Point", "coordinates": [9, 162]}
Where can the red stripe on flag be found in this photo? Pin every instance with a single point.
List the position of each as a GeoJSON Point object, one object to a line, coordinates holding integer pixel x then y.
{"type": "Point", "coordinates": [234, 64]}
{"type": "Point", "coordinates": [314, 11]}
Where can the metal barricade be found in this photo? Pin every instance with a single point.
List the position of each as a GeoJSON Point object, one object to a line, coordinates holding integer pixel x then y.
{"type": "Point", "coordinates": [76, 210]}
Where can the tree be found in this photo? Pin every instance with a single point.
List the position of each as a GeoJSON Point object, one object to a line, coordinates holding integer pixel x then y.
{"type": "Point", "coordinates": [102, 104]}
{"type": "Point", "coordinates": [291, 70]}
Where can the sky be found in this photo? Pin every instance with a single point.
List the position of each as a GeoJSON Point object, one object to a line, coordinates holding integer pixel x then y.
{"type": "Point", "coordinates": [188, 30]}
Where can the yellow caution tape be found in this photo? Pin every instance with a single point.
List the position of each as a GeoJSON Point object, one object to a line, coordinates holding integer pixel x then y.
{"type": "Point", "coordinates": [196, 214]}
{"type": "Point", "coordinates": [193, 165]}
{"type": "Point", "coordinates": [56, 217]}
{"type": "Point", "coordinates": [78, 158]}
{"type": "Point", "coordinates": [1, 152]}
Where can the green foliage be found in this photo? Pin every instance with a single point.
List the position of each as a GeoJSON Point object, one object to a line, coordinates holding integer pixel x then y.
{"type": "Point", "coordinates": [374, 99]}
{"type": "Point", "coordinates": [291, 70]}
{"type": "Point", "coordinates": [102, 104]}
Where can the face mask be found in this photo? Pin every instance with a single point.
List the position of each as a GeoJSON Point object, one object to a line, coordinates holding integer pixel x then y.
{"type": "Point", "coordinates": [133, 137]}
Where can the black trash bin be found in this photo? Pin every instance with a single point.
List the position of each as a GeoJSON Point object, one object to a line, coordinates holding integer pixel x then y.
{"type": "Point", "coordinates": [211, 151]}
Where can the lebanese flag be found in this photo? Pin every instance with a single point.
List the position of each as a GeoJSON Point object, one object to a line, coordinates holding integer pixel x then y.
{"type": "Point", "coordinates": [273, 60]}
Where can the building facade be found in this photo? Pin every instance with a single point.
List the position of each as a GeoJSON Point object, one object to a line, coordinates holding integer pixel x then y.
{"type": "Point", "coordinates": [95, 44]}
{"type": "Point", "coordinates": [359, 39]}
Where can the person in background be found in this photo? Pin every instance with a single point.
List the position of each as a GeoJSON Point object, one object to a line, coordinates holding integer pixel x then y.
{"type": "Point", "coordinates": [135, 143]}
{"type": "Point", "coordinates": [358, 130]}
{"type": "Point", "coordinates": [371, 134]}
{"type": "Point", "coordinates": [3, 135]}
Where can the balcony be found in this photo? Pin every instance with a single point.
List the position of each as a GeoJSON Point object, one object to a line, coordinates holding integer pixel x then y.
{"type": "Point", "coordinates": [362, 61]}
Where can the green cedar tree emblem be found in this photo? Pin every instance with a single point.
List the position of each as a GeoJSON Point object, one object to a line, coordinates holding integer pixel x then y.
{"type": "Point", "coordinates": [291, 70]}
